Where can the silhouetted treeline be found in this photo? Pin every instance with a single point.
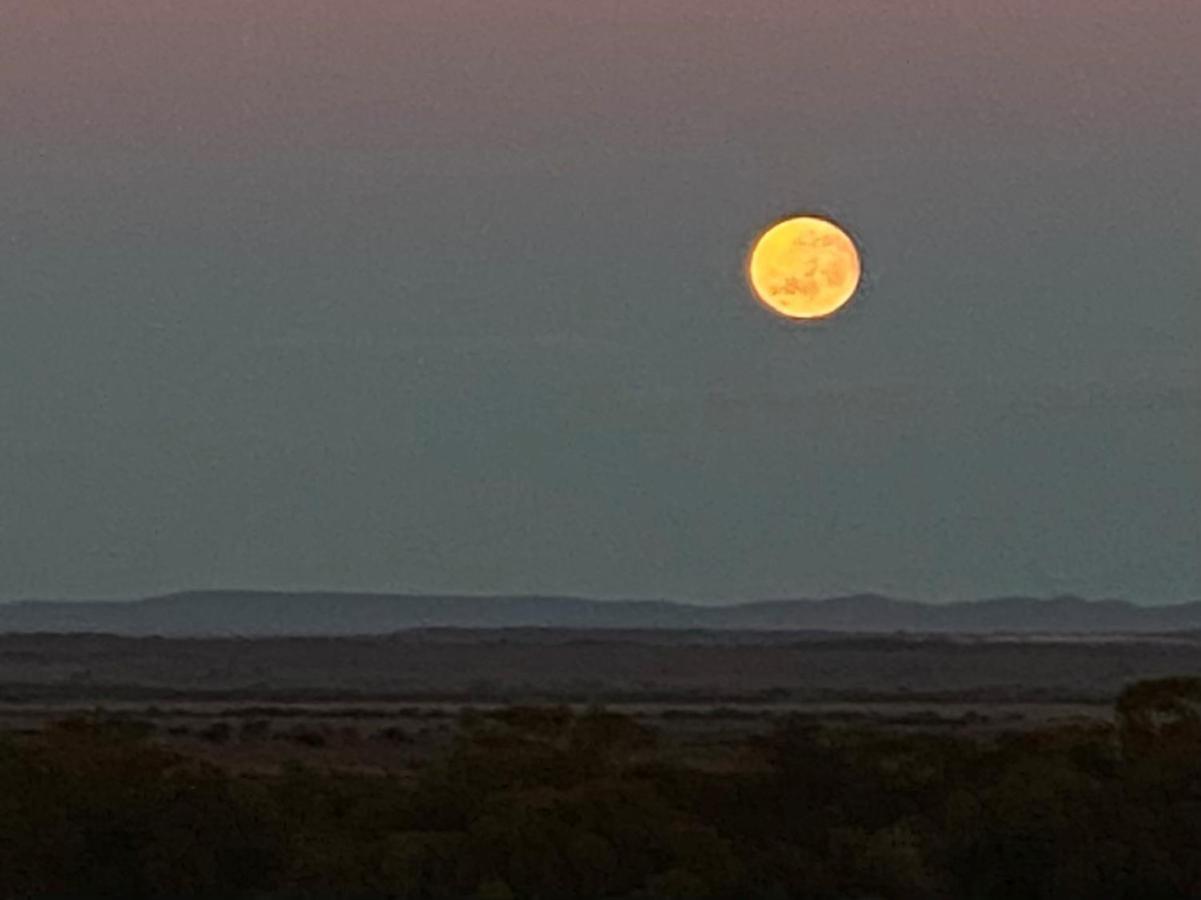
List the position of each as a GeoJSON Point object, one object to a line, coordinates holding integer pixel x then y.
{"type": "Point", "coordinates": [544, 803]}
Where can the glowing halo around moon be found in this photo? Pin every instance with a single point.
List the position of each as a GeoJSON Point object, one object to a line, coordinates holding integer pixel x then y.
{"type": "Point", "coordinates": [804, 267]}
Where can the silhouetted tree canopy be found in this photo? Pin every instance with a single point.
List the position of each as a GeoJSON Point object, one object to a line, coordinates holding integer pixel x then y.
{"type": "Point", "coordinates": [548, 803]}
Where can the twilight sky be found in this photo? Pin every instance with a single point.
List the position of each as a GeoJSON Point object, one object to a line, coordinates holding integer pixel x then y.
{"type": "Point", "coordinates": [447, 295]}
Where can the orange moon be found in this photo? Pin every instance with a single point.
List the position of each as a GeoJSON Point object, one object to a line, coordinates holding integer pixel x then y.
{"type": "Point", "coordinates": [804, 268]}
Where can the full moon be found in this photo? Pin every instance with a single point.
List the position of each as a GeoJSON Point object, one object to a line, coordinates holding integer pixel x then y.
{"type": "Point", "coordinates": [804, 268]}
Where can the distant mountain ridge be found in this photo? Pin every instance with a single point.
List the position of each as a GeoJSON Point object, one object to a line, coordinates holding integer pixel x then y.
{"type": "Point", "coordinates": [265, 613]}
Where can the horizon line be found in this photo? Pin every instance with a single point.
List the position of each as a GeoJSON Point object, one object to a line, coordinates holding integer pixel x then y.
{"type": "Point", "coordinates": [605, 599]}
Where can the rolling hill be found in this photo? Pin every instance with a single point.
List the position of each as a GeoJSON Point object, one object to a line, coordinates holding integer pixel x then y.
{"type": "Point", "coordinates": [258, 614]}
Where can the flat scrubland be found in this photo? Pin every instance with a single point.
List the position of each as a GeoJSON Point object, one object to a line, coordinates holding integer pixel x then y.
{"type": "Point", "coordinates": [607, 765]}
{"type": "Point", "coordinates": [520, 665]}
{"type": "Point", "coordinates": [767, 801]}
{"type": "Point", "coordinates": [385, 704]}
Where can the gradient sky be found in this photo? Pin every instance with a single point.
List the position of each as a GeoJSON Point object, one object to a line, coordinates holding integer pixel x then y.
{"type": "Point", "coordinates": [447, 295]}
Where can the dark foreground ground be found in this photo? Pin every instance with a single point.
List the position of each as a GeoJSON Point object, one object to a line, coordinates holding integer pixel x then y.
{"type": "Point", "coordinates": [549, 802]}
{"type": "Point", "coordinates": [630, 765]}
